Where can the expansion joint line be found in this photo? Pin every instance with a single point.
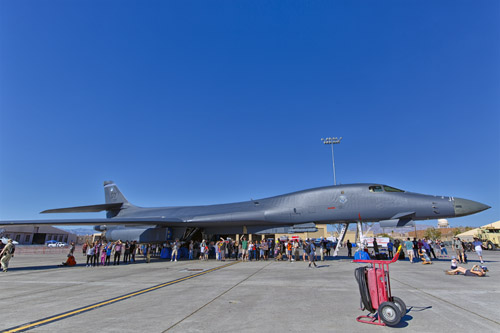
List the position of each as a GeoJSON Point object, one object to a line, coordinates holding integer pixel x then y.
{"type": "Point", "coordinates": [217, 297]}
{"type": "Point", "coordinates": [51, 319]}
{"type": "Point", "coordinates": [450, 303]}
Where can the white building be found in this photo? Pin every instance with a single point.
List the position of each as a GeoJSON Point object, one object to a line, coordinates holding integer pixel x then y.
{"type": "Point", "coordinates": [443, 223]}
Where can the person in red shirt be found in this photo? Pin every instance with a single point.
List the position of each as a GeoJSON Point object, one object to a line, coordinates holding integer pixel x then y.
{"type": "Point", "coordinates": [70, 261]}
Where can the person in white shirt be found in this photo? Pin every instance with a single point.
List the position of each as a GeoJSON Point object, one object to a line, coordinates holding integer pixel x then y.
{"type": "Point", "coordinates": [478, 247]}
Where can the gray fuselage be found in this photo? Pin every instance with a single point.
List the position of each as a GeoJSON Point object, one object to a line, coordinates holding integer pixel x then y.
{"type": "Point", "coordinates": [331, 204]}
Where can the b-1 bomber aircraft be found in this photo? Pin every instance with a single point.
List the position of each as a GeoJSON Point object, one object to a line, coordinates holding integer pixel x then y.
{"type": "Point", "coordinates": [288, 213]}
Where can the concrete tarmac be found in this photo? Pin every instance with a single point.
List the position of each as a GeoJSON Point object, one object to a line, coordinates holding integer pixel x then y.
{"type": "Point", "coordinates": [265, 296]}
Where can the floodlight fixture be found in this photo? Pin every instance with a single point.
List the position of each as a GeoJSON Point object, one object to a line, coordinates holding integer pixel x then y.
{"type": "Point", "coordinates": [332, 141]}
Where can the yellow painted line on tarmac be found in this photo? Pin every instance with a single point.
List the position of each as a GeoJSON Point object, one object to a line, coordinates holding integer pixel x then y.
{"type": "Point", "coordinates": [44, 321]}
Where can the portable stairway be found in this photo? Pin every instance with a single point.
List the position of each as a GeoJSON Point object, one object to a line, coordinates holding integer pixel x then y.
{"type": "Point", "coordinates": [340, 239]}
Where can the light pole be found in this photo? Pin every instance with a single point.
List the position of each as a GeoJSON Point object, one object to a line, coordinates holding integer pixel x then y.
{"type": "Point", "coordinates": [332, 141]}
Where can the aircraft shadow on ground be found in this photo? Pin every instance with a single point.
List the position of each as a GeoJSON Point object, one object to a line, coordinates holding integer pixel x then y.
{"type": "Point", "coordinates": [41, 268]}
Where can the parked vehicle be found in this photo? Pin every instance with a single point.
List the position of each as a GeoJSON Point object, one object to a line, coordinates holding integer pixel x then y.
{"type": "Point", "coordinates": [490, 236]}
{"type": "Point", "coordinates": [5, 240]}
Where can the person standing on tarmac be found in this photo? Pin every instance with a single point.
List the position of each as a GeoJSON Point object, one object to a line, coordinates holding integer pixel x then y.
{"type": "Point", "coordinates": [6, 254]}
{"type": "Point", "coordinates": [84, 249]}
{"type": "Point", "coordinates": [322, 249]}
{"type": "Point", "coordinates": [415, 247]}
{"type": "Point", "coordinates": [148, 253]}
{"type": "Point", "coordinates": [72, 249]}
{"type": "Point", "coordinates": [97, 249]}
{"type": "Point", "coordinates": [90, 255]}
{"type": "Point", "coordinates": [444, 252]}
{"type": "Point", "coordinates": [295, 250]}
{"type": "Point", "coordinates": [126, 252]}
{"type": "Point", "coordinates": [409, 249]}
{"type": "Point", "coordinates": [375, 248]}
{"type": "Point", "coordinates": [304, 249]}
{"type": "Point", "coordinates": [202, 250]}
{"type": "Point", "coordinates": [175, 250]}
{"type": "Point", "coordinates": [349, 249]}
{"type": "Point", "coordinates": [108, 249]}
{"type": "Point", "coordinates": [390, 247]}
{"type": "Point", "coordinates": [133, 247]}
{"type": "Point", "coordinates": [425, 246]}
{"type": "Point", "coordinates": [289, 250]}
{"type": "Point", "coordinates": [431, 248]}
{"type": "Point", "coordinates": [244, 249]}
{"type": "Point", "coordinates": [312, 254]}
{"type": "Point", "coordinates": [191, 250]}
{"type": "Point", "coordinates": [118, 252]}
{"type": "Point", "coordinates": [459, 249]}
{"type": "Point", "coordinates": [103, 254]}
{"type": "Point", "coordinates": [478, 248]}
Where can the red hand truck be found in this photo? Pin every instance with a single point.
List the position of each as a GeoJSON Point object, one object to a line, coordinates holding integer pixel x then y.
{"type": "Point", "coordinates": [375, 289]}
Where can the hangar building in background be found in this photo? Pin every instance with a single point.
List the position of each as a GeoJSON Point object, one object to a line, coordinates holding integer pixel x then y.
{"type": "Point", "coordinates": [26, 235]}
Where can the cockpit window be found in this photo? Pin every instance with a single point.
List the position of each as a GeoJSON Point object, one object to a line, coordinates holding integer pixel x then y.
{"type": "Point", "coordinates": [392, 189]}
{"type": "Point", "coordinates": [376, 188]}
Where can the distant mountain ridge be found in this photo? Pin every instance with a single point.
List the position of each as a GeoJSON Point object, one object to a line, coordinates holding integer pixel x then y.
{"type": "Point", "coordinates": [378, 230]}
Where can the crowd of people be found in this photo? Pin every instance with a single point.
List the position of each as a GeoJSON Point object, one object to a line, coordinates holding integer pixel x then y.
{"type": "Point", "coordinates": [112, 253]}
{"type": "Point", "coordinates": [102, 253]}
{"type": "Point", "coordinates": [415, 249]}
{"type": "Point", "coordinates": [255, 250]}
{"type": "Point", "coordinates": [99, 253]}
{"type": "Point", "coordinates": [425, 249]}
{"type": "Point", "coordinates": [422, 250]}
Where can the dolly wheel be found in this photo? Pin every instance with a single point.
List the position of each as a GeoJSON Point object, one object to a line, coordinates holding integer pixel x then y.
{"type": "Point", "coordinates": [389, 313]}
{"type": "Point", "coordinates": [400, 304]}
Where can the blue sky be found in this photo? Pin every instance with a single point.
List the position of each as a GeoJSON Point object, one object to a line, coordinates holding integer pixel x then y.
{"type": "Point", "coordinates": [202, 102]}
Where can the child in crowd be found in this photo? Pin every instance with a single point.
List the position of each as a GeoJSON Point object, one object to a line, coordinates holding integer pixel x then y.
{"type": "Point", "coordinates": [454, 262]}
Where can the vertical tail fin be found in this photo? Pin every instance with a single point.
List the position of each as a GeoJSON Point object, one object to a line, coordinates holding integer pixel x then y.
{"type": "Point", "coordinates": [112, 194]}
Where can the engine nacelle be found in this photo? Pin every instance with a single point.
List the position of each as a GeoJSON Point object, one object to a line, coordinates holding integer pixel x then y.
{"type": "Point", "coordinates": [139, 234]}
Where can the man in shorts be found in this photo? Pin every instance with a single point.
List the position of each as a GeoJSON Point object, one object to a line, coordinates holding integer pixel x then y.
{"type": "Point", "coordinates": [409, 249]}
{"type": "Point", "coordinates": [459, 249]}
{"type": "Point", "coordinates": [312, 253]}
{"type": "Point", "coordinates": [478, 247]}
{"type": "Point", "coordinates": [244, 249]}
{"type": "Point", "coordinates": [175, 250]}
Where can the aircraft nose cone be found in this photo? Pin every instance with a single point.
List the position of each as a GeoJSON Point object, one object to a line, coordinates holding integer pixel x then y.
{"type": "Point", "coordinates": [465, 207]}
